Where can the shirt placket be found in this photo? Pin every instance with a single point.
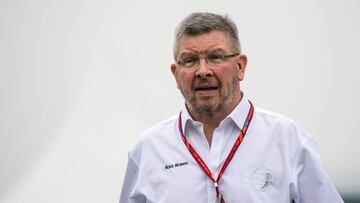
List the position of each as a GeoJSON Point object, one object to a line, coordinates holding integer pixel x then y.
{"type": "Point", "coordinates": [214, 160]}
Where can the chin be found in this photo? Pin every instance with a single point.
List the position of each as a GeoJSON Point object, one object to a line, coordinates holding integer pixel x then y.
{"type": "Point", "coordinates": [207, 104]}
{"type": "Point", "coordinates": [207, 108]}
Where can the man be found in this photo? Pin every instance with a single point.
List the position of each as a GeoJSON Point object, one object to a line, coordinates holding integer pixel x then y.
{"type": "Point", "coordinates": [220, 148]}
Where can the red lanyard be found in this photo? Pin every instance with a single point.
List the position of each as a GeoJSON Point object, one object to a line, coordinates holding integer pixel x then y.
{"type": "Point", "coordinates": [236, 145]}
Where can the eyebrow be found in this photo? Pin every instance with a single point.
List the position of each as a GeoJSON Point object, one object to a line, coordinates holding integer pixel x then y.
{"type": "Point", "coordinates": [189, 52]}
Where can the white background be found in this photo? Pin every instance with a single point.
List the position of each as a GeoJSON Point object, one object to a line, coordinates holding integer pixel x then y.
{"type": "Point", "coordinates": [80, 80]}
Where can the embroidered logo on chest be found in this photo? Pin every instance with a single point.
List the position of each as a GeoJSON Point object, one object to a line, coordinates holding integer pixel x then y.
{"type": "Point", "coordinates": [261, 178]}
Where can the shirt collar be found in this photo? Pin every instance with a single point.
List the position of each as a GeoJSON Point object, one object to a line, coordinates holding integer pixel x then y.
{"type": "Point", "coordinates": [238, 115]}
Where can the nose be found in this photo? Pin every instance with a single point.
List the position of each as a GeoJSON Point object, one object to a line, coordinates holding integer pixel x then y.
{"type": "Point", "coordinates": [204, 70]}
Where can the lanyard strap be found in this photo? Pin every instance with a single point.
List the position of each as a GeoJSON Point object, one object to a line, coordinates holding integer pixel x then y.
{"type": "Point", "coordinates": [231, 154]}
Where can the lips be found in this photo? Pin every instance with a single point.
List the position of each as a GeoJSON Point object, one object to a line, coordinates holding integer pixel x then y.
{"type": "Point", "coordinates": [206, 87]}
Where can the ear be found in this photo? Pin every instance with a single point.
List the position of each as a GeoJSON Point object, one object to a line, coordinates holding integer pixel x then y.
{"type": "Point", "coordinates": [242, 62]}
{"type": "Point", "coordinates": [174, 69]}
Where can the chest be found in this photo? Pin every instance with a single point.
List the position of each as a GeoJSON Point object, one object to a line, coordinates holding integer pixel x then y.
{"type": "Point", "coordinates": [255, 174]}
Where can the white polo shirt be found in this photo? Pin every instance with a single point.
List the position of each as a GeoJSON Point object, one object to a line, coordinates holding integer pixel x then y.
{"type": "Point", "coordinates": [278, 161]}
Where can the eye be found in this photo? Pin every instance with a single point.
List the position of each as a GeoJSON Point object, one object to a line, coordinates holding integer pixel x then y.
{"type": "Point", "coordinates": [215, 58]}
{"type": "Point", "coordinates": [189, 61]}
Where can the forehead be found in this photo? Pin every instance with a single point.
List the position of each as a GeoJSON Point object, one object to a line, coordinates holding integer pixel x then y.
{"type": "Point", "coordinates": [215, 40]}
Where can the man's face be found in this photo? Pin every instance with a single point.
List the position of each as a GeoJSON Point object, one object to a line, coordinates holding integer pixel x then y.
{"type": "Point", "coordinates": [209, 87]}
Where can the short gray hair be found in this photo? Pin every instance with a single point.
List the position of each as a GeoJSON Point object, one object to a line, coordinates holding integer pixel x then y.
{"type": "Point", "coordinates": [201, 23]}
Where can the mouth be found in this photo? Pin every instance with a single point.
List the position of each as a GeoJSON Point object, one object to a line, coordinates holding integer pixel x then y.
{"type": "Point", "coordinates": [206, 88]}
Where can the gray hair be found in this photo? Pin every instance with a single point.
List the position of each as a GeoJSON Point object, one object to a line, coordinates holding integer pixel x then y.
{"type": "Point", "coordinates": [201, 23]}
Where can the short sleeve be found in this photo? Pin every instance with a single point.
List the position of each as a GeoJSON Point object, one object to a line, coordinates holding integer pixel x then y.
{"type": "Point", "coordinates": [131, 176]}
{"type": "Point", "coordinates": [314, 184]}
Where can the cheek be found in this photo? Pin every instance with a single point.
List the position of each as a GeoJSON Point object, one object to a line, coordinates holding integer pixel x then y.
{"type": "Point", "coordinates": [227, 78]}
{"type": "Point", "coordinates": [185, 80]}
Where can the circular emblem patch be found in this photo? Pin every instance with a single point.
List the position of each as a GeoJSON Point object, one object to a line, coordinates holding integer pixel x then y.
{"type": "Point", "coordinates": [261, 179]}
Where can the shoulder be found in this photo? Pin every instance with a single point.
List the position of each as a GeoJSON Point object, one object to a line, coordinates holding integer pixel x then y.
{"type": "Point", "coordinates": [280, 126]}
{"type": "Point", "coordinates": [160, 129]}
{"type": "Point", "coordinates": [271, 116]}
{"type": "Point", "coordinates": [157, 135]}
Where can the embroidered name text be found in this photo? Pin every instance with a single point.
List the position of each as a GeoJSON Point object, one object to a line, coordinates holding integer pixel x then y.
{"type": "Point", "coordinates": [175, 165]}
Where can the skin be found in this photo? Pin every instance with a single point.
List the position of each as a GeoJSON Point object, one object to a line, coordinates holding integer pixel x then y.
{"type": "Point", "coordinates": [211, 92]}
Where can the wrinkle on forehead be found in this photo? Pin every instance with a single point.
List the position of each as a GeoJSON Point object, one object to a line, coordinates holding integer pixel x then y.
{"type": "Point", "coordinates": [204, 43]}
